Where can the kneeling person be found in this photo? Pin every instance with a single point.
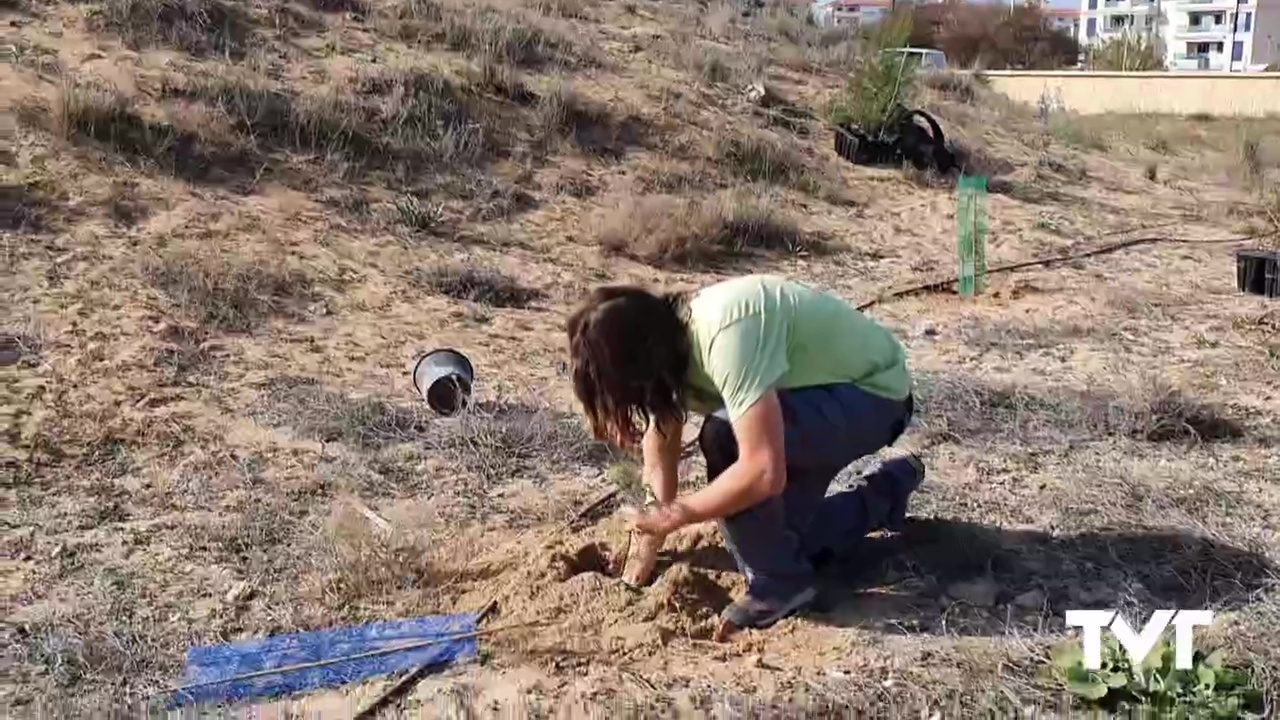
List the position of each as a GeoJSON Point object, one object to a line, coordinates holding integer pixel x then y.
{"type": "Point", "coordinates": [794, 385]}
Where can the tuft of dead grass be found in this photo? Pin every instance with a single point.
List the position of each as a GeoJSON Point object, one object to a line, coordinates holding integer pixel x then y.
{"type": "Point", "coordinates": [112, 637]}
{"type": "Point", "coordinates": [200, 27]}
{"type": "Point", "coordinates": [965, 409]}
{"type": "Point", "coordinates": [358, 8]}
{"type": "Point", "coordinates": [958, 87]}
{"type": "Point", "coordinates": [767, 158]}
{"type": "Point", "coordinates": [494, 441]}
{"type": "Point", "coordinates": [356, 567]}
{"type": "Point", "coordinates": [665, 230]}
{"type": "Point", "coordinates": [112, 120]}
{"type": "Point", "coordinates": [226, 295]}
{"type": "Point", "coordinates": [361, 422]}
{"type": "Point", "coordinates": [402, 118]}
{"type": "Point", "coordinates": [481, 30]}
{"type": "Point", "coordinates": [478, 285]}
{"type": "Point", "coordinates": [716, 64]}
{"type": "Point", "coordinates": [563, 112]}
{"type": "Point", "coordinates": [23, 209]}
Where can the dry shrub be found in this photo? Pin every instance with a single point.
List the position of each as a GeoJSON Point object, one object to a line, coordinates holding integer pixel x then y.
{"type": "Point", "coordinates": [23, 208]}
{"type": "Point", "coordinates": [1255, 159]}
{"type": "Point", "coordinates": [958, 86]}
{"type": "Point", "coordinates": [761, 157]}
{"type": "Point", "coordinates": [478, 285]}
{"type": "Point", "coordinates": [389, 117]}
{"type": "Point", "coordinates": [362, 422]}
{"type": "Point", "coordinates": [484, 31]}
{"type": "Point", "coordinates": [563, 112]}
{"type": "Point", "coordinates": [992, 36]}
{"type": "Point", "coordinates": [1079, 132]}
{"type": "Point", "coordinates": [200, 27]}
{"type": "Point", "coordinates": [109, 635]}
{"type": "Point", "coordinates": [418, 214]}
{"type": "Point", "coordinates": [669, 176]}
{"type": "Point", "coordinates": [965, 408]}
{"type": "Point", "coordinates": [716, 64]}
{"type": "Point", "coordinates": [785, 31]}
{"type": "Point", "coordinates": [229, 295]}
{"type": "Point", "coordinates": [494, 441]}
{"type": "Point", "coordinates": [1131, 52]}
{"type": "Point", "coordinates": [503, 440]}
{"type": "Point", "coordinates": [359, 567]}
{"type": "Point", "coordinates": [562, 8]}
{"type": "Point", "coordinates": [112, 120]}
{"type": "Point", "coordinates": [359, 8]}
{"type": "Point", "coordinates": [665, 230]}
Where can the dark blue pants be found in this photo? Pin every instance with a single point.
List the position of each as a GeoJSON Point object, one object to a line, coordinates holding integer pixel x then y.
{"type": "Point", "coordinates": [777, 542]}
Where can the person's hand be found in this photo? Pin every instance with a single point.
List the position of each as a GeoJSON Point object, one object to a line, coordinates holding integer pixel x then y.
{"type": "Point", "coordinates": [649, 530]}
{"type": "Point", "coordinates": [661, 520]}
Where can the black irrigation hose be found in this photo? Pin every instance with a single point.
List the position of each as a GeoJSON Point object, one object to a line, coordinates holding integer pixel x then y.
{"type": "Point", "coordinates": [1055, 260]}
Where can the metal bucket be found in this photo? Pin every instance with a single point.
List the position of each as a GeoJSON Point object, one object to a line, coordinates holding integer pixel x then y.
{"type": "Point", "coordinates": [443, 378]}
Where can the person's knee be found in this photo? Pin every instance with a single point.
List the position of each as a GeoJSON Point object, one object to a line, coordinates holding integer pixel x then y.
{"type": "Point", "coordinates": [718, 444]}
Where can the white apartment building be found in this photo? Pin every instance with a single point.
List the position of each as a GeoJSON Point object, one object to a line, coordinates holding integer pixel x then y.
{"type": "Point", "coordinates": [850, 12]}
{"type": "Point", "coordinates": [1225, 35]}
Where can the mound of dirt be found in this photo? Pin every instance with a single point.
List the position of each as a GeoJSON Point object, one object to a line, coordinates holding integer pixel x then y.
{"type": "Point", "coordinates": [571, 586]}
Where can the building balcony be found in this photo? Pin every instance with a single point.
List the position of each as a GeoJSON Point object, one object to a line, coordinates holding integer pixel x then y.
{"type": "Point", "coordinates": [1206, 4]}
{"type": "Point", "coordinates": [1135, 7]}
{"type": "Point", "coordinates": [1199, 61]}
{"type": "Point", "coordinates": [1200, 31]}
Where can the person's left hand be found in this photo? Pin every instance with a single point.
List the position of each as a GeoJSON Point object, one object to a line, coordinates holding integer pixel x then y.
{"type": "Point", "coordinates": [661, 520]}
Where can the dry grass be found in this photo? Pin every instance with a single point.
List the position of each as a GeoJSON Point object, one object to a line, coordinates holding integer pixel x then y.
{"type": "Point", "coordinates": [224, 295]}
{"type": "Point", "coordinates": [24, 208]}
{"type": "Point", "coordinates": [481, 30]}
{"type": "Point", "coordinates": [667, 230]}
{"type": "Point", "coordinates": [200, 27]}
{"type": "Point", "coordinates": [478, 285]}
{"type": "Point", "coordinates": [562, 112]}
{"type": "Point", "coordinates": [219, 273]}
{"type": "Point", "coordinates": [958, 87]}
{"type": "Point", "coordinates": [492, 440]}
{"type": "Point", "coordinates": [760, 157]}
{"type": "Point", "coordinates": [967, 409]}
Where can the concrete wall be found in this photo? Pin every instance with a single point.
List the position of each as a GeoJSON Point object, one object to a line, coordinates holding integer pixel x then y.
{"type": "Point", "coordinates": [1165, 93]}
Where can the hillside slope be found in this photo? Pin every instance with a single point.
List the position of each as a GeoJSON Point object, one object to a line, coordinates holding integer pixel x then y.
{"type": "Point", "coordinates": [232, 227]}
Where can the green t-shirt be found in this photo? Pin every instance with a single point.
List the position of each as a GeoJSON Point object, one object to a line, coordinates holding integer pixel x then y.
{"type": "Point", "coordinates": [759, 332]}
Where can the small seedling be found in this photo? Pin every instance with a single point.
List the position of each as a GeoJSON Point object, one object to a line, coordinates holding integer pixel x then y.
{"type": "Point", "coordinates": [1209, 689]}
{"type": "Point", "coordinates": [625, 476]}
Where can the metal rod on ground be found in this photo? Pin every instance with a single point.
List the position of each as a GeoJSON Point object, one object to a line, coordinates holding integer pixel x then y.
{"type": "Point", "coordinates": [412, 677]}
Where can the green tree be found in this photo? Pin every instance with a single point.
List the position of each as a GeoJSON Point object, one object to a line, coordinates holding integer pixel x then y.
{"type": "Point", "coordinates": [880, 80]}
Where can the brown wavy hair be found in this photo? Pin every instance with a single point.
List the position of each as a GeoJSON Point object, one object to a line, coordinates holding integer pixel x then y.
{"type": "Point", "coordinates": [630, 351]}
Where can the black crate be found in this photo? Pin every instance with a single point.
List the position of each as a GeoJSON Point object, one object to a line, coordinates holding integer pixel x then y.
{"type": "Point", "coordinates": [1258, 272]}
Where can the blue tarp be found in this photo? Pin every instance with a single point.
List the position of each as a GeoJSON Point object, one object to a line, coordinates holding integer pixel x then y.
{"type": "Point", "coordinates": [208, 665]}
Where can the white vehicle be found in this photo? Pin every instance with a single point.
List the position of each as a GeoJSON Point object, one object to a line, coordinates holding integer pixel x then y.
{"type": "Point", "coordinates": [926, 59]}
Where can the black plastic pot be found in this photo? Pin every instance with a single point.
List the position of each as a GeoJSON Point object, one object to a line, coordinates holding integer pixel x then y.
{"type": "Point", "coordinates": [443, 378]}
{"type": "Point", "coordinates": [1258, 272]}
{"type": "Point", "coordinates": [861, 149]}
